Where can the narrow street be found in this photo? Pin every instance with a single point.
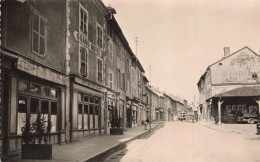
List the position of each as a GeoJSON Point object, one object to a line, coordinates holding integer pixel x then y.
{"type": "Point", "coordinates": [181, 141]}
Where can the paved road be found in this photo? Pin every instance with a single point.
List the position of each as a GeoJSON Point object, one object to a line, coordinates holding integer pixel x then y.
{"type": "Point", "coordinates": [188, 142]}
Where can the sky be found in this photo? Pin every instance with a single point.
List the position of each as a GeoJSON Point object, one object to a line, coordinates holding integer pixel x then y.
{"type": "Point", "coordinates": [180, 39]}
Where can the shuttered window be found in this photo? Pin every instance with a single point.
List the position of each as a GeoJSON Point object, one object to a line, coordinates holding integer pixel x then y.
{"type": "Point", "coordinates": [99, 70]}
{"type": "Point", "coordinates": [83, 61]}
{"type": "Point", "coordinates": [39, 34]}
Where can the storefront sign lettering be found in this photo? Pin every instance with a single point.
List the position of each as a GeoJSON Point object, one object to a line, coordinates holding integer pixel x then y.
{"type": "Point", "coordinates": [88, 84]}
{"type": "Point", "coordinates": [41, 72]}
{"type": "Point", "coordinates": [83, 40]}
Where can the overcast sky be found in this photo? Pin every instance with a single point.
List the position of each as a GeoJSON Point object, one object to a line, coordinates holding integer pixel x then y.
{"type": "Point", "coordinates": [179, 39]}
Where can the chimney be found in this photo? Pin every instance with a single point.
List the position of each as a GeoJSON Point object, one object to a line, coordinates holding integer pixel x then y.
{"type": "Point", "coordinates": [226, 51]}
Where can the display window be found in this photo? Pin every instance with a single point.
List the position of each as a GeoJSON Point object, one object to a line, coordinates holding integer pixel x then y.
{"type": "Point", "coordinates": [88, 111]}
{"type": "Point", "coordinates": [35, 98]}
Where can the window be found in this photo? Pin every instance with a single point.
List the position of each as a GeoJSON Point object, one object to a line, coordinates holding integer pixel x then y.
{"type": "Point", "coordinates": [100, 70]}
{"type": "Point", "coordinates": [80, 121]}
{"type": "Point", "coordinates": [127, 65]}
{"type": "Point", "coordinates": [255, 76]}
{"type": "Point", "coordinates": [83, 16]}
{"type": "Point", "coordinates": [123, 81]}
{"type": "Point", "coordinates": [99, 36]}
{"type": "Point", "coordinates": [39, 34]}
{"type": "Point", "coordinates": [54, 108]}
{"type": "Point", "coordinates": [83, 61]}
{"type": "Point", "coordinates": [23, 86]}
{"type": "Point", "coordinates": [110, 80]}
{"type": "Point", "coordinates": [44, 101]}
{"type": "Point", "coordinates": [35, 88]}
{"type": "Point", "coordinates": [111, 50]}
{"type": "Point", "coordinates": [22, 110]}
{"type": "Point", "coordinates": [119, 78]}
{"type": "Point", "coordinates": [118, 51]}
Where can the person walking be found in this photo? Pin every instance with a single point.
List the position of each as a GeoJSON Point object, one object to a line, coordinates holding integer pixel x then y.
{"type": "Point", "coordinates": [149, 123]}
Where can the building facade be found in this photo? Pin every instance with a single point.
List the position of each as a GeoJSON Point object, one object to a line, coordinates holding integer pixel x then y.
{"type": "Point", "coordinates": [229, 88]}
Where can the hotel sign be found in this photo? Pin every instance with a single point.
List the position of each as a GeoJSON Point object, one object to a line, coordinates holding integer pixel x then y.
{"type": "Point", "coordinates": [84, 40]}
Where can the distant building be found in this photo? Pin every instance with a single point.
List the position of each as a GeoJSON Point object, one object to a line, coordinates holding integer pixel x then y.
{"type": "Point", "coordinates": [230, 87]}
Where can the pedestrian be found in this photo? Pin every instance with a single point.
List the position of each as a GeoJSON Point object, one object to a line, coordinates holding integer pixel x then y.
{"type": "Point", "coordinates": [148, 122]}
{"type": "Point", "coordinates": [145, 125]}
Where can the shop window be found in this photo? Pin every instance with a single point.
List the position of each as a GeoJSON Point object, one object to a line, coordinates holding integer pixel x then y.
{"type": "Point", "coordinates": [35, 88]}
{"type": "Point", "coordinates": [96, 116]}
{"type": "Point", "coordinates": [34, 106]}
{"type": "Point", "coordinates": [80, 126]}
{"type": "Point", "coordinates": [54, 108]}
{"type": "Point", "coordinates": [45, 111]}
{"type": "Point", "coordinates": [91, 119]}
{"type": "Point", "coordinates": [85, 116]}
{"type": "Point", "coordinates": [54, 93]}
{"type": "Point", "coordinates": [23, 86]}
{"type": "Point", "coordinates": [91, 100]}
{"type": "Point", "coordinates": [45, 91]}
{"type": "Point", "coordinates": [39, 34]}
{"type": "Point", "coordinates": [21, 116]}
{"type": "Point", "coordinates": [86, 98]}
{"type": "Point", "coordinates": [80, 97]}
{"type": "Point", "coordinates": [96, 100]}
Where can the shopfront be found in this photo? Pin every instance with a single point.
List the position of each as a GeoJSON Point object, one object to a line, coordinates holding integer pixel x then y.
{"type": "Point", "coordinates": [112, 112]}
{"type": "Point", "coordinates": [240, 105]}
{"type": "Point", "coordinates": [87, 108]}
{"type": "Point", "coordinates": [30, 89]}
{"type": "Point", "coordinates": [128, 115]}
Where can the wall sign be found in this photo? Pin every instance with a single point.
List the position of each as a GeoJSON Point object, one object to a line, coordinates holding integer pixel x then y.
{"type": "Point", "coordinates": [88, 84]}
{"type": "Point", "coordinates": [41, 72]}
{"type": "Point", "coordinates": [83, 40]}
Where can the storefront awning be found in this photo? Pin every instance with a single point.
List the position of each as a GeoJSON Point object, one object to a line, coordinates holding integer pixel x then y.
{"type": "Point", "coordinates": [240, 92]}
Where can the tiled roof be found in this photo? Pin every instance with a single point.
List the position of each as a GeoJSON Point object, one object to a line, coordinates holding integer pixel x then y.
{"type": "Point", "coordinates": [241, 92]}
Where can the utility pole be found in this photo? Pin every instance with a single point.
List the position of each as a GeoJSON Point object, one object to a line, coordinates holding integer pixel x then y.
{"type": "Point", "coordinates": [136, 44]}
{"type": "Point", "coordinates": [150, 73]}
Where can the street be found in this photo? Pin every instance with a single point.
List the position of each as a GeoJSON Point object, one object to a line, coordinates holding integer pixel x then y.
{"type": "Point", "coordinates": [181, 141]}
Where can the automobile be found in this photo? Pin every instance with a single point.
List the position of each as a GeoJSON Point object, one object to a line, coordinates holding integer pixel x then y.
{"type": "Point", "coordinates": [181, 116]}
{"type": "Point", "coordinates": [250, 118]}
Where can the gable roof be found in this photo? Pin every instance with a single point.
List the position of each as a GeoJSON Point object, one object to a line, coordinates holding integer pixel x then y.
{"type": "Point", "coordinates": [223, 58]}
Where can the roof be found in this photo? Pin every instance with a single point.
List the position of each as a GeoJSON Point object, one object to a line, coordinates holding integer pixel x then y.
{"type": "Point", "coordinates": [240, 92]}
{"type": "Point", "coordinates": [204, 74]}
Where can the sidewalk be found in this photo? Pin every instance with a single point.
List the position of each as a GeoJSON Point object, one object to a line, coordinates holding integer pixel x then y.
{"type": "Point", "coordinates": [246, 131]}
{"type": "Point", "coordinates": [87, 148]}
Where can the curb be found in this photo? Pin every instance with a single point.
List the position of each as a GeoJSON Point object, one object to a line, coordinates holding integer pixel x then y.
{"type": "Point", "coordinates": [91, 159]}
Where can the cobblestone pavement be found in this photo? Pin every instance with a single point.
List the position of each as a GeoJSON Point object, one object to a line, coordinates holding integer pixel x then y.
{"type": "Point", "coordinates": [87, 148]}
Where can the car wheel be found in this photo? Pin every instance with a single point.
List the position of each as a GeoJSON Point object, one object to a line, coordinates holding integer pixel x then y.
{"type": "Point", "coordinates": [250, 121]}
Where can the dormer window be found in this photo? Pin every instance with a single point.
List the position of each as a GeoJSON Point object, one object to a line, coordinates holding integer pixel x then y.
{"type": "Point", "coordinates": [254, 76]}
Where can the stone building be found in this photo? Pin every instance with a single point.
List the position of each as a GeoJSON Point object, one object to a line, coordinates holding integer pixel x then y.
{"type": "Point", "coordinates": [34, 73]}
{"type": "Point", "coordinates": [229, 88]}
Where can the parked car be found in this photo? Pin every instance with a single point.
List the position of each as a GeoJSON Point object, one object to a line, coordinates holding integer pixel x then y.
{"type": "Point", "coordinates": [250, 118]}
